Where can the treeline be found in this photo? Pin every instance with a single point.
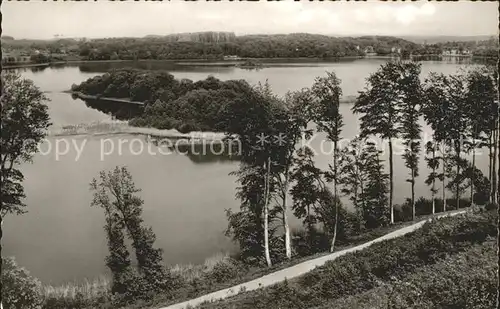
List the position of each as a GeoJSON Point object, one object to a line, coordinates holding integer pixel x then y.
{"type": "Point", "coordinates": [460, 108]}
{"type": "Point", "coordinates": [249, 46]}
{"type": "Point", "coordinates": [204, 37]}
{"type": "Point", "coordinates": [214, 45]}
{"type": "Point", "coordinates": [484, 48]}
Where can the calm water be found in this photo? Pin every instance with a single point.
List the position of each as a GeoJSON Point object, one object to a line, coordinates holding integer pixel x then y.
{"type": "Point", "coordinates": [61, 238]}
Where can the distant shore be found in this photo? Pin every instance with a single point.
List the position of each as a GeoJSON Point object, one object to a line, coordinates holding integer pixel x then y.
{"type": "Point", "coordinates": [224, 62]}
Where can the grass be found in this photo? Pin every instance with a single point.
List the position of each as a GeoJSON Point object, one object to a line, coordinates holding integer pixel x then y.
{"type": "Point", "coordinates": [88, 289]}
{"type": "Point", "coordinates": [463, 280]}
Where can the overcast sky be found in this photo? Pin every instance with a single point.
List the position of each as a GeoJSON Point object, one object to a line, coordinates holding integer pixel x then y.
{"type": "Point", "coordinates": [36, 19]}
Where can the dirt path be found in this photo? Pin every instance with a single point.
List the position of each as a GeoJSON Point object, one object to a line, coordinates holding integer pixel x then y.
{"type": "Point", "coordinates": [297, 270]}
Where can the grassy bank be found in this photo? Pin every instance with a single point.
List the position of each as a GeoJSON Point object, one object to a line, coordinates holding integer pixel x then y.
{"type": "Point", "coordinates": [464, 280]}
{"type": "Point", "coordinates": [362, 271]}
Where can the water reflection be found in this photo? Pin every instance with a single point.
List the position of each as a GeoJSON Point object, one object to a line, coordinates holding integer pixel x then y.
{"type": "Point", "coordinates": [204, 153]}
{"type": "Point", "coordinates": [201, 152]}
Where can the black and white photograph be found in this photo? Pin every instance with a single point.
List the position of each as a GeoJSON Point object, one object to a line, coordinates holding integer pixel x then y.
{"type": "Point", "coordinates": [249, 154]}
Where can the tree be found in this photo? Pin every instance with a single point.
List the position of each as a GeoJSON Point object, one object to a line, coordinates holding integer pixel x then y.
{"type": "Point", "coordinates": [483, 114]}
{"type": "Point", "coordinates": [433, 164]}
{"type": "Point", "coordinates": [308, 182]}
{"type": "Point", "coordinates": [290, 125]}
{"type": "Point", "coordinates": [247, 225]}
{"type": "Point", "coordinates": [313, 201]}
{"type": "Point", "coordinates": [374, 195]}
{"type": "Point", "coordinates": [24, 124]}
{"type": "Point", "coordinates": [353, 177]}
{"type": "Point", "coordinates": [410, 103]}
{"type": "Point", "coordinates": [457, 122]}
{"type": "Point", "coordinates": [118, 260]}
{"type": "Point", "coordinates": [115, 192]}
{"type": "Point", "coordinates": [20, 290]}
{"type": "Point", "coordinates": [378, 104]}
{"type": "Point", "coordinates": [252, 120]}
{"type": "Point", "coordinates": [437, 114]}
{"type": "Point", "coordinates": [326, 115]}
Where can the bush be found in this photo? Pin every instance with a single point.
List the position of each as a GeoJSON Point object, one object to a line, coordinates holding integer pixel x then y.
{"type": "Point", "coordinates": [19, 289]}
{"type": "Point", "coordinates": [223, 271]}
{"type": "Point", "coordinates": [312, 242]}
{"type": "Point", "coordinates": [363, 270]}
{"type": "Point", "coordinates": [464, 280]}
{"type": "Point", "coordinates": [491, 206]}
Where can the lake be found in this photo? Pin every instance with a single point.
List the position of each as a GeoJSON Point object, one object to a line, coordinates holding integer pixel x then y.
{"type": "Point", "coordinates": [61, 238]}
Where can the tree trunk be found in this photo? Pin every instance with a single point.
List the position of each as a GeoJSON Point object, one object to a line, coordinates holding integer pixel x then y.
{"type": "Point", "coordinates": [498, 184]}
{"type": "Point", "coordinates": [473, 175]}
{"type": "Point", "coordinates": [494, 174]}
{"type": "Point", "coordinates": [413, 192]}
{"type": "Point", "coordinates": [1, 257]}
{"type": "Point", "coordinates": [332, 246]}
{"type": "Point", "coordinates": [497, 128]}
{"type": "Point", "coordinates": [433, 190]}
{"type": "Point", "coordinates": [444, 181]}
{"type": "Point", "coordinates": [335, 190]}
{"type": "Point", "coordinates": [457, 190]}
{"type": "Point", "coordinates": [391, 180]}
{"type": "Point", "coordinates": [266, 214]}
{"type": "Point", "coordinates": [490, 166]}
{"type": "Point", "coordinates": [286, 227]}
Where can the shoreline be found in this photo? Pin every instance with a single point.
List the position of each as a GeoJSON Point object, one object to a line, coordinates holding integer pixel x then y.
{"type": "Point", "coordinates": [119, 127]}
{"type": "Point", "coordinates": [225, 62]}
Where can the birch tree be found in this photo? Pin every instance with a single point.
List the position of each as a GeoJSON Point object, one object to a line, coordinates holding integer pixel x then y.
{"type": "Point", "coordinates": [410, 103]}
{"type": "Point", "coordinates": [328, 119]}
{"type": "Point", "coordinates": [290, 126]}
{"type": "Point", "coordinates": [433, 163]}
{"type": "Point", "coordinates": [378, 106]}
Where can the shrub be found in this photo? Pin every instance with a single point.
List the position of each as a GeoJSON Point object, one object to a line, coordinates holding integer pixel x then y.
{"type": "Point", "coordinates": [491, 206]}
{"type": "Point", "coordinates": [223, 271]}
{"type": "Point", "coordinates": [19, 289]}
{"type": "Point", "coordinates": [464, 280]}
{"type": "Point", "coordinates": [312, 242]}
{"type": "Point", "coordinates": [363, 270]}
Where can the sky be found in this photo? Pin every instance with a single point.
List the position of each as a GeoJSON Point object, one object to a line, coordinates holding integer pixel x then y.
{"type": "Point", "coordinates": [44, 20]}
